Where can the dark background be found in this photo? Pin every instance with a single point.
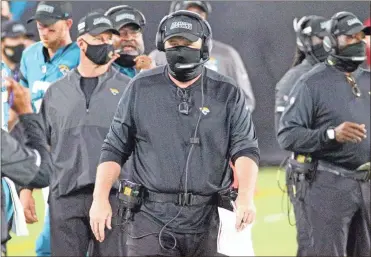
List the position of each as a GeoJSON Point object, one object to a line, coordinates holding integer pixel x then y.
{"type": "Point", "coordinates": [260, 31]}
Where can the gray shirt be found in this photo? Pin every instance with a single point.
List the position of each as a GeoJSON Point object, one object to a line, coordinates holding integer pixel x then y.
{"type": "Point", "coordinates": [76, 127]}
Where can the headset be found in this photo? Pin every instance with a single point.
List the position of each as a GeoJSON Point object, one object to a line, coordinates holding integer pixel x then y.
{"type": "Point", "coordinates": [303, 33]}
{"type": "Point", "coordinates": [330, 43]}
{"type": "Point", "coordinates": [178, 5]}
{"type": "Point", "coordinates": [206, 33]}
{"type": "Point", "coordinates": [118, 8]}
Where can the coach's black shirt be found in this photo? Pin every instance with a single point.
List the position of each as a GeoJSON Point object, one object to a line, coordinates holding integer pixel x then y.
{"type": "Point", "coordinates": [324, 99]}
{"type": "Point", "coordinates": [148, 125]}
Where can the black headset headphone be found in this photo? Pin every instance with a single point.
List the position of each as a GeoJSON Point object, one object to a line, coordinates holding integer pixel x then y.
{"type": "Point", "coordinates": [330, 42]}
{"type": "Point", "coordinates": [177, 5]}
{"type": "Point", "coordinates": [206, 32]}
{"type": "Point", "coordinates": [303, 38]}
{"type": "Point", "coordinates": [118, 8]}
{"type": "Point", "coordinates": [304, 33]}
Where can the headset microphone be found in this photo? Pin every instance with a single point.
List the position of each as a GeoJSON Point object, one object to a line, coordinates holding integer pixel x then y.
{"type": "Point", "coordinates": [185, 66]}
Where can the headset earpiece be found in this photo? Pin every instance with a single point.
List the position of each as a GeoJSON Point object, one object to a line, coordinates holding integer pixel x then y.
{"type": "Point", "coordinates": [303, 35]}
{"type": "Point", "coordinates": [330, 43]}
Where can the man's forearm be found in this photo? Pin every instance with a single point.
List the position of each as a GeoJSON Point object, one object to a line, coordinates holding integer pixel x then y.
{"type": "Point", "coordinates": [107, 174]}
{"type": "Point", "coordinates": [247, 174]}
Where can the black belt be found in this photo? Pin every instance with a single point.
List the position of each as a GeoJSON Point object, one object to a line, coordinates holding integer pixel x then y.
{"type": "Point", "coordinates": [181, 199]}
{"type": "Point", "coordinates": [361, 175]}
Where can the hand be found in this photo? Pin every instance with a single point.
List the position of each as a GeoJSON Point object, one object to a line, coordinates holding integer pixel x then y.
{"type": "Point", "coordinates": [113, 58]}
{"type": "Point", "coordinates": [19, 97]}
{"type": "Point", "coordinates": [350, 132]}
{"type": "Point", "coordinates": [245, 213]}
{"type": "Point", "coordinates": [100, 217]}
{"type": "Point", "coordinates": [143, 62]}
{"type": "Point", "coordinates": [28, 203]}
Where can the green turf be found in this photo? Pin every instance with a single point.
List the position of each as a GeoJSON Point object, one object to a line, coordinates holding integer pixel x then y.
{"type": "Point", "coordinates": [272, 235]}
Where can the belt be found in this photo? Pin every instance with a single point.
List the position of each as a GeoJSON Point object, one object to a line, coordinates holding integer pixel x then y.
{"type": "Point", "coordinates": [181, 199]}
{"type": "Point", "coordinates": [360, 175]}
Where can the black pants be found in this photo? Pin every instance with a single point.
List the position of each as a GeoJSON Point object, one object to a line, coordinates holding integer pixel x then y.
{"type": "Point", "coordinates": [339, 216]}
{"type": "Point", "coordinates": [70, 227]}
{"type": "Point", "coordinates": [202, 244]}
{"type": "Point", "coordinates": [303, 237]}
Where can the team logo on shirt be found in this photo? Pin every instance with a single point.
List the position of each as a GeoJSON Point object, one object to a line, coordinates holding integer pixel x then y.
{"type": "Point", "coordinates": [114, 91]}
{"type": "Point", "coordinates": [212, 64]}
{"type": "Point", "coordinates": [204, 110]}
{"type": "Point", "coordinates": [63, 69]}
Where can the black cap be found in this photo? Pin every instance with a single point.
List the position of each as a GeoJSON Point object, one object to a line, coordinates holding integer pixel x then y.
{"type": "Point", "coordinates": [316, 26]}
{"type": "Point", "coordinates": [184, 5]}
{"type": "Point", "coordinates": [49, 12]}
{"type": "Point", "coordinates": [14, 29]}
{"type": "Point", "coordinates": [349, 24]}
{"type": "Point", "coordinates": [125, 15]}
{"type": "Point", "coordinates": [183, 26]}
{"type": "Point", "coordinates": [95, 23]}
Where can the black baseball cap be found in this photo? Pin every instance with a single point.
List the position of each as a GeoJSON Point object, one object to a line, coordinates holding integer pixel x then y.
{"type": "Point", "coordinates": [349, 24]}
{"type": "Point", "coordinates": [316, 25]}
{"type": "Point", "coordinates": [49, 12]}
{"type": "Point", "coordinates": [95, 23]}
{"type": "Point", "coordinates": [127, 15]}
{"type": "Point", "coordinates": [183, 26]}
{"type": "Point", "coordinates": [12, 29]}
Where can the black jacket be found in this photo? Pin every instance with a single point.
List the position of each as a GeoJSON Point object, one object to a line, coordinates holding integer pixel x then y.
{"type": "Point", "coordinates": [324, 99]}
{"type": "Point", "coordinates": [26, 164]}
{"type": "Point", "coordinates": [287, 82]}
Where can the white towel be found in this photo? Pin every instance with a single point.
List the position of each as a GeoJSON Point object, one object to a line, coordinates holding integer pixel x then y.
{"type": "Point", "coordinates": [19, 226]}
{"type": "Point", "coordinates": [231, 242]}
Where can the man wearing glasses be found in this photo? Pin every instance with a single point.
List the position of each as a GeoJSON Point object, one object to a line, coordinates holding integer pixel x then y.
{"type": "Point", "coordinates": [77, 111]}
{"type": "Point", "coordinates": [129, 44]}
{"type": "Point", "coordinates": [329, 124]}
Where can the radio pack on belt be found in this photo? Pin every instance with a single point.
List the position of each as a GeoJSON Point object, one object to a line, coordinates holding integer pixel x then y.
{"type": "Point", "coordinates": [130, 195]}
{"type": "Point", "coordinates": [300, 163]}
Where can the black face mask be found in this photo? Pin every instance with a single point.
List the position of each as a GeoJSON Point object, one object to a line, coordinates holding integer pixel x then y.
{"type": "Point", "coordinates": [14, 53]}
{"type": "Point", "coordinates": [347, 64]}
{"type": "Point", "coordinates": [99, 54]}
{"type": "Point", "coordinates": [126, 60]}
{"type": "Point", "coordinates": [319, 52]}
{"type": "Point", "coordinates": [183, 55]}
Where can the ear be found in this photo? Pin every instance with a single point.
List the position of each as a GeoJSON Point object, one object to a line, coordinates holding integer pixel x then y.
{"type": "Point", "coordinates": [69, 23]}
{"type": "Point", "coordinates": [80, 42]}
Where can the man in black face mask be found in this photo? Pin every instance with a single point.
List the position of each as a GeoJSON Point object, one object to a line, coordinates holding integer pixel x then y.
{"type": "Point", "coordinates": [310, 31]}
{"type": "Point", "coordinates": [130, 23]}
{"type": "Point", "coordinates": [13, 36]}
{"type": "Point", "coordinates": [77, 111]}
{"type": "Point", "coordinates": [181, 124]}
{"type": "Point", "coordinates": [327, 125]}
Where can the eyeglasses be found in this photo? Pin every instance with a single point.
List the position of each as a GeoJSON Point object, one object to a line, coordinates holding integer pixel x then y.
{"type": "Point", "coordinates": [355, 89]}
{"type": "Point", "coordinates": [184, 107]}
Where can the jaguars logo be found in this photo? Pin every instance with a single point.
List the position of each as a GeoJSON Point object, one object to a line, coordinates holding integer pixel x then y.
{"type": "Point", "coordinates": [212, 64]}
{"type": "Point", "coordinates": [114, 91]}
{"type": "Point", "coordinates": [63, 69]}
